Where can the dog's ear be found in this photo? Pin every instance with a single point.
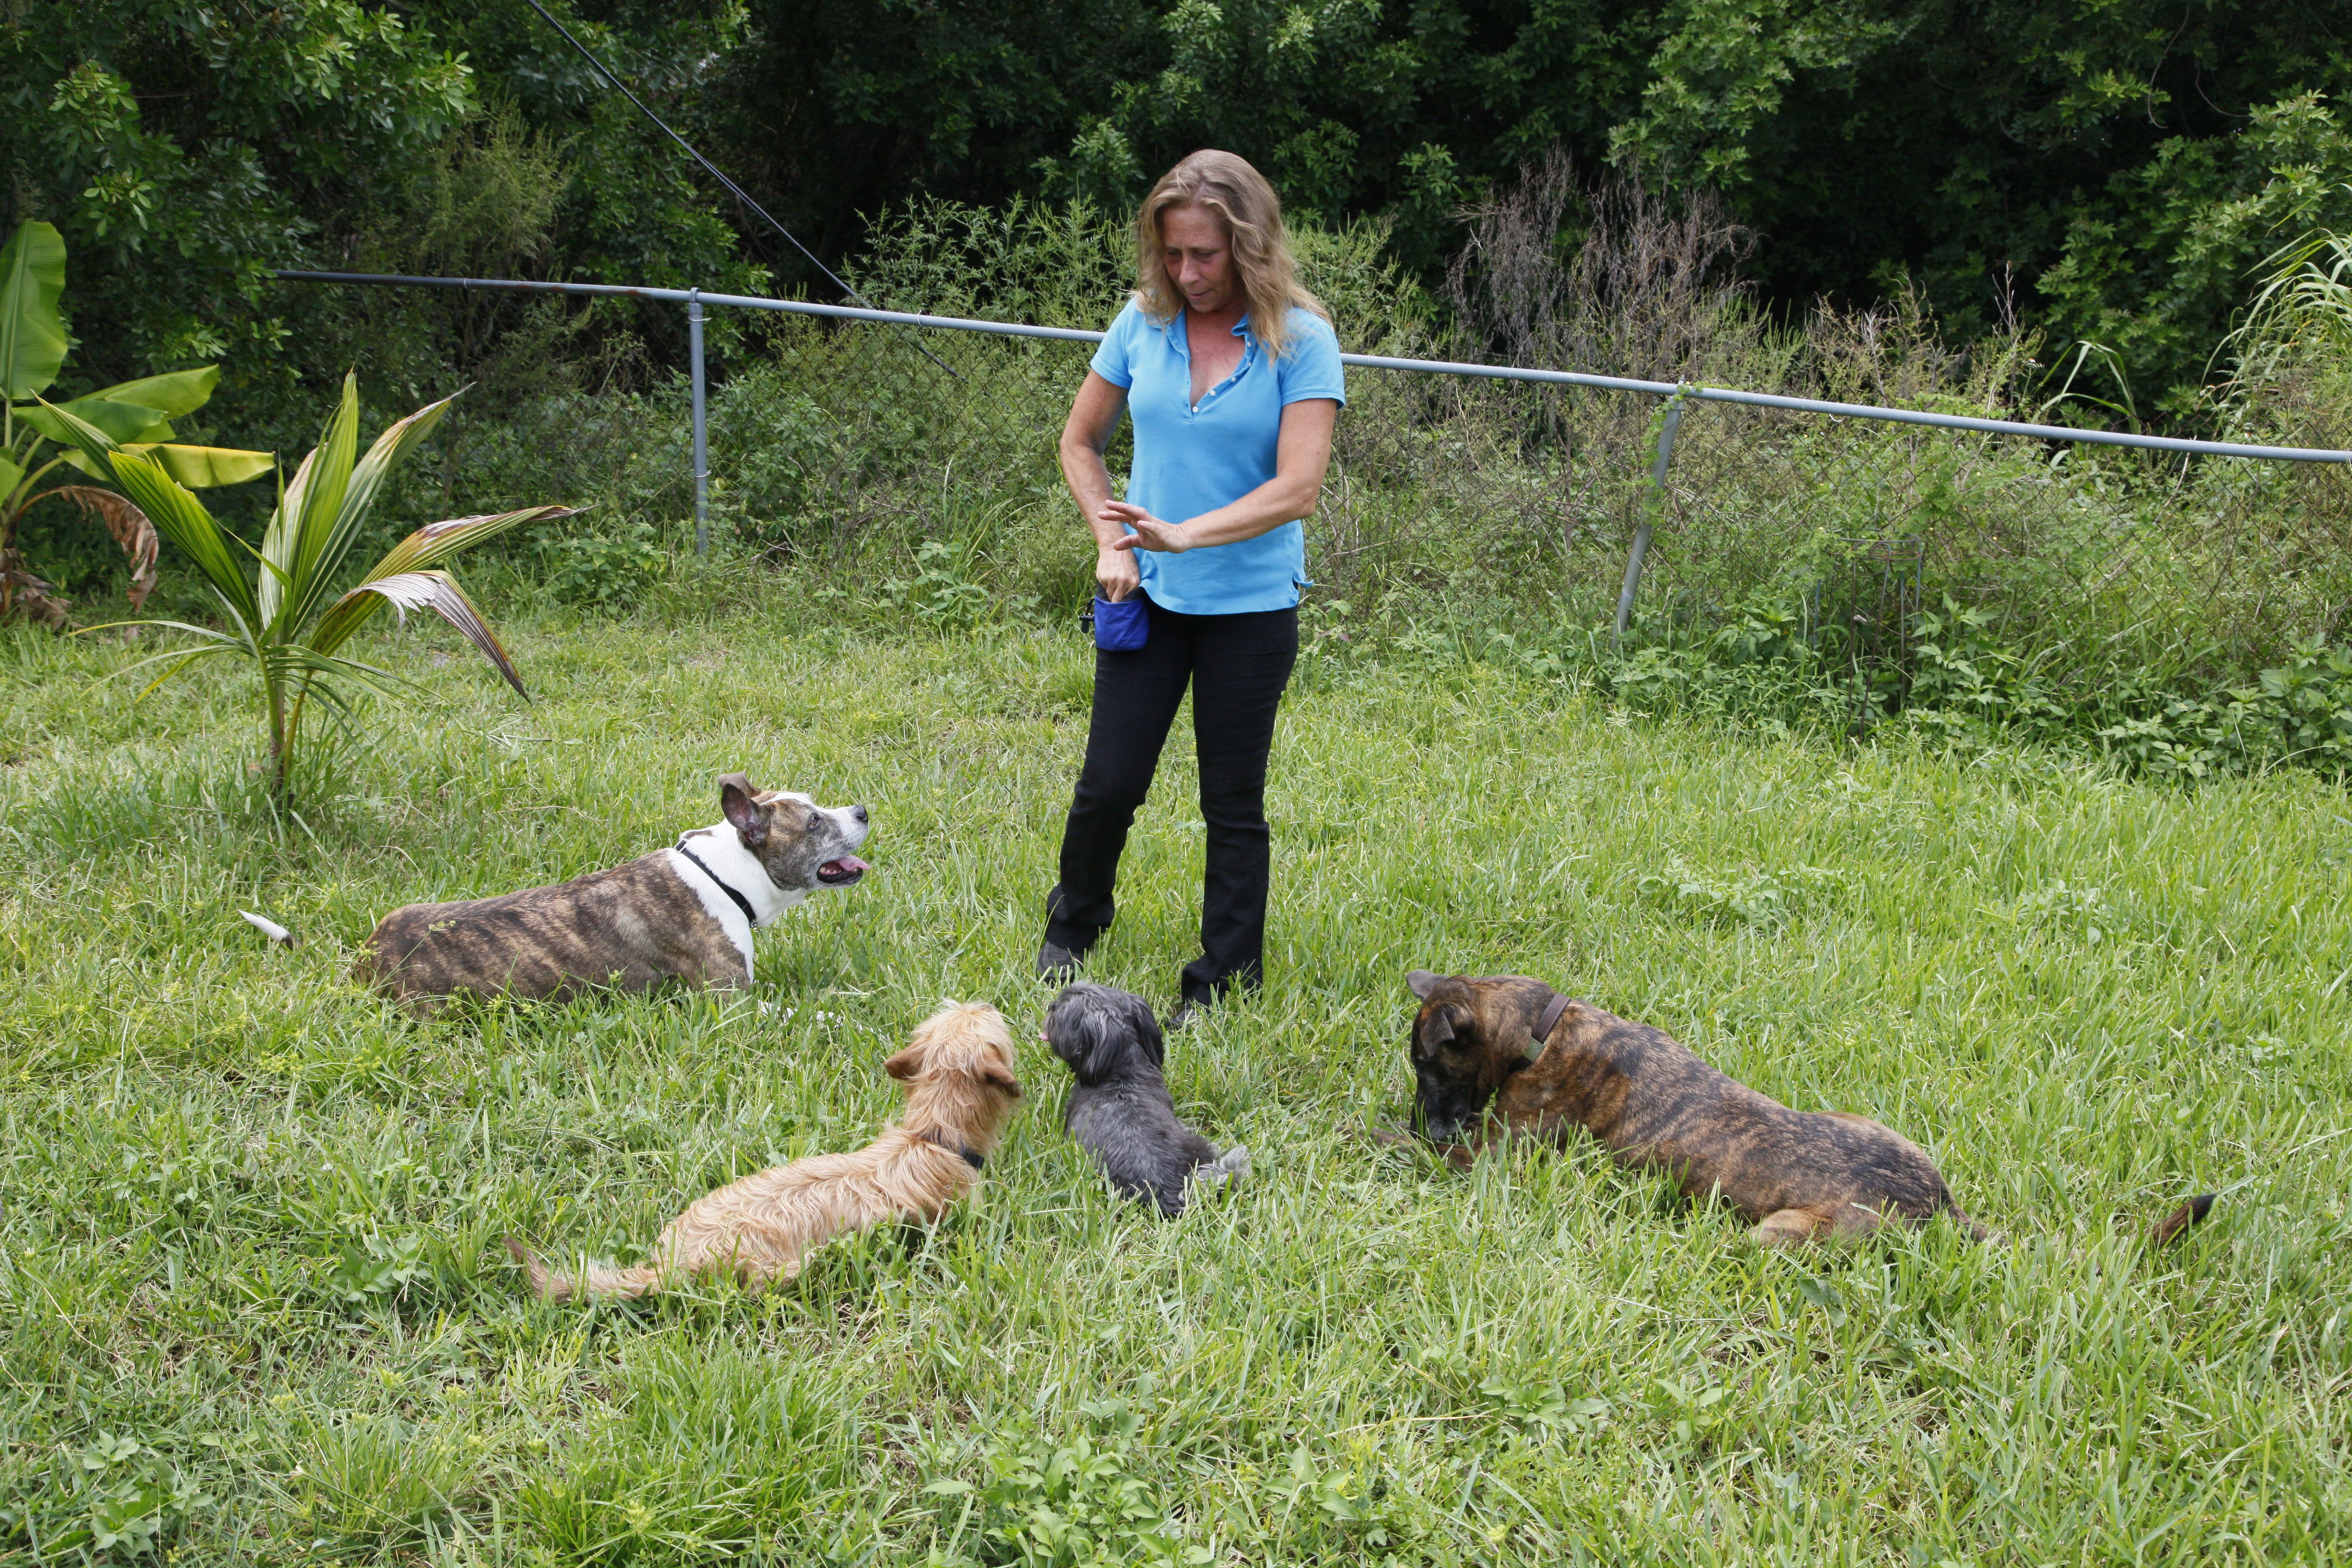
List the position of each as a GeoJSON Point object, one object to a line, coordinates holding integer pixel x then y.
{"type": "Point", "coordinates": [1439, 1030]}
{"type": "Point", "coordinates": [1148, 1035]}
{"type": "Point", "coordinates": [1421, 982]}
{"type": "Point", "coordinates": [997, 1073]}
{"type": "Point", "coordinates": [906, 1064]}
{"type": "Point", "coordinates": [1101, 1037]}
{"type": "Point", "coordinates": [740, 799]}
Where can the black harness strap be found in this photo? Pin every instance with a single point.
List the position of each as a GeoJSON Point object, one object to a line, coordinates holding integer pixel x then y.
{"type": "Point", "coordinates": [741, 901]}
{"type": "Point", "coordinates": [964, 1151]}
{"type": "Point", "coordinates": [1547, 1023]}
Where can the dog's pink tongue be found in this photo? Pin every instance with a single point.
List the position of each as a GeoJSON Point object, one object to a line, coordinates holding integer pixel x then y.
{"type": "Point", "coordinates": [847, 866]}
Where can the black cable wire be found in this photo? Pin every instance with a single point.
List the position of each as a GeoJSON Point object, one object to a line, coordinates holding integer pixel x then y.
{"type": "Point", "coordinates": [713, 170]}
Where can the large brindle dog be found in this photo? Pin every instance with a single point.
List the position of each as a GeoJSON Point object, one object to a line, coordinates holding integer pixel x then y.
{"type": "Point", "coordinates": [682, 914]}
{"type": "Point", "coordinates": [1505, 1053]}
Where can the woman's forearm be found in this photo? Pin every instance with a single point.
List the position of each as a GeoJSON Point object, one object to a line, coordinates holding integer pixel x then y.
{"type": "Point", "coordinates": [1302, 459]}
{"type": "Point", "coordinates": [1088, 477]}
{"type": "Point", "coordinates": [1280, 499]}
{"type": "Point", "coordinates": [1093, 416]}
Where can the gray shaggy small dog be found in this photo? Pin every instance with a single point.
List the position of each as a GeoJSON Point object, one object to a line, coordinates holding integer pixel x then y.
{"type": "Point", "coordinates": [1120, 1107]}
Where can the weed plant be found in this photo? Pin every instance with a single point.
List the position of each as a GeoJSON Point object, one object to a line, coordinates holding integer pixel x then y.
{"type": "Point", "coordinates": [255, 1310]}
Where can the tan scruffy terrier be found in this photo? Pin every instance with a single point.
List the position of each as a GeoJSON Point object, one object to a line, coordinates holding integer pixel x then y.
{"type": "Point", "coordinates": [958, 1070]}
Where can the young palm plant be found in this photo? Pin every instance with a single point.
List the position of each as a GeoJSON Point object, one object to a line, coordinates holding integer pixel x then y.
{"type": "Point", "coordinates": [285, 618]}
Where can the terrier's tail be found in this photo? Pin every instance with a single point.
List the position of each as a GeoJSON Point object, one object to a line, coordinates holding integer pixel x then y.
{"type": "Point", "coordinates": [2167, 1230]}
{"type": "Point", "coordinates": [592, 1279]}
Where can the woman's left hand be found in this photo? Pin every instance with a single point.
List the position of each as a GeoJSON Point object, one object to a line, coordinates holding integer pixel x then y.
{"type": "Point", "coordinates": [1150, 532]}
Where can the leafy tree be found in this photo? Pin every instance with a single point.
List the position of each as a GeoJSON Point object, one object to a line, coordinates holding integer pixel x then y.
{"type": "Point", "coordinates": [184, 149]}
{"type": "Point", "coordinates": [1975, 147]}
{"type": "Point", "coordinates": [2180, 238]}
{"type": "Point", "coordinates": [632, 207]}
{"type": "Point", "coordinates": [2107, 167]}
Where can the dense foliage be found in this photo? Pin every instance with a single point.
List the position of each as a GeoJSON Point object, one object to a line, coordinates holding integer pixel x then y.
{"type": "Point", "coordinates": [1953, 139]}
{"type": "Point", "coordinates": [2075, 196]}
{"type": "Point", "coordinates": [2111, 169]}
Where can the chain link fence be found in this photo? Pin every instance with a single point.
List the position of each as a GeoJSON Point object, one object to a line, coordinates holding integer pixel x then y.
{"type": "Point", "coordinates": [924, 453]}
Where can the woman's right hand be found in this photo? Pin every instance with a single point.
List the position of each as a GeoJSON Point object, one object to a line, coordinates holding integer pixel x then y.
{"type": "Point", "coordinates": [1115, 574]}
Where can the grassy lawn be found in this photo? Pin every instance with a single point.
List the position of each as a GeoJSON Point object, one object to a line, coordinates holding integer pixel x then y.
{"type": "Point", "coordinates": [255, 1306]}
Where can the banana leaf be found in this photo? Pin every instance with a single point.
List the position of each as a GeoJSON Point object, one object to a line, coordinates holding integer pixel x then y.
{"type": "Point", "coordinates": [121, 421]}
{"type": "Point", "coordinates": [174, 392]}
{"type": "Point", "coordinates": [32, 332]}
{"type": "Point", "coordinates": [198, 467]}
{"type": "Point", "coordinates": [206, 468]}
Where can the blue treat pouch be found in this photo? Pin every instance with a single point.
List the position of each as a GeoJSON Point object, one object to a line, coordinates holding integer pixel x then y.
{"type": "Point", "coordinates": [1121, 626]}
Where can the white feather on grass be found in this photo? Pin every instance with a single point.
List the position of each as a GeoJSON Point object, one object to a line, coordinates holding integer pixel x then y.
{"type": "Point", "coordinates": [269, 928]}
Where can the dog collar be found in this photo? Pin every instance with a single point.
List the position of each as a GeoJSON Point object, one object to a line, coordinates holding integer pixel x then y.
{"type": "Point", "coordinates": [741, 901]}
{"type": "Point", "coordinates": [964, 1151]}
{"type": "Point", "coordinates": [1547, 1024]}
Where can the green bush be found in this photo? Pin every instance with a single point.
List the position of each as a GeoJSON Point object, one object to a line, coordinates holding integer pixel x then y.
{"type": "Point", "coordinates": [605, 569]}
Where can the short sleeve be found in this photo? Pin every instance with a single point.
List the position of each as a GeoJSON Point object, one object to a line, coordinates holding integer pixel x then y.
{"type": "Point", "coordinates": [1114, 358]}
{"type": "Point", "coordinates": [1310, 366]}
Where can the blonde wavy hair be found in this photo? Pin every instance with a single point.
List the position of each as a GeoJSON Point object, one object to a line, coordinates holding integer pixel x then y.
{"type": "Point", "coordinates": [1252, 214]}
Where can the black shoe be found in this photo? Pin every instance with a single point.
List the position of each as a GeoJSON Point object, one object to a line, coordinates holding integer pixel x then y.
{"type": "Point", "coordinates": [1057, 964]}
{"type": "Point", "coordinates": [1188, 1013]}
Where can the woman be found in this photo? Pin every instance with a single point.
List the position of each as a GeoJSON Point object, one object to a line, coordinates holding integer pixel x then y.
{"type": "Point", "coordinates": [1232, 374]}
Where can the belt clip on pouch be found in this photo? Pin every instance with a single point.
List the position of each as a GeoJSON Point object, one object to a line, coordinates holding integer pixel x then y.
{"type": "Point", "coordinates": [1122, 625]}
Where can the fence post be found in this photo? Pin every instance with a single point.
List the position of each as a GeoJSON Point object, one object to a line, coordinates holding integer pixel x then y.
{"type": "Point", "coordinates": [701, 444]}
{"type": "Point", "coordinates": [1652, 503]}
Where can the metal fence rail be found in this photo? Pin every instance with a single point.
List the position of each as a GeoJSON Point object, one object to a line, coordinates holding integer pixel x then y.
{"type": "Point", "coordinates": [1677, 395]}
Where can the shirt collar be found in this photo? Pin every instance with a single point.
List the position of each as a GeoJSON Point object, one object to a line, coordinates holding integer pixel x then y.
{"type": "Point", "coordinates": [1242, 328]}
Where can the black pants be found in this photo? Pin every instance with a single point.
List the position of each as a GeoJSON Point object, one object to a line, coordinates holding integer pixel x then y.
{"type": "Point", "coordinates": [1237, 665]}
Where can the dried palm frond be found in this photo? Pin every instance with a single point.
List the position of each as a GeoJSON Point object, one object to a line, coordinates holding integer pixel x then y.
{"type": "Point", "coordinates": [127, 523]}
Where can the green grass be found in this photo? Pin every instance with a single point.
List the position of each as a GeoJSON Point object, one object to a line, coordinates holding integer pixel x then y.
{"type": "Point", "coordinates": [256, 1311]}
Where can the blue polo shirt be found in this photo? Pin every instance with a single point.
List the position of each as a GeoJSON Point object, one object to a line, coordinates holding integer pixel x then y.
{"type": "Point", "coordinates": [1190, 459]}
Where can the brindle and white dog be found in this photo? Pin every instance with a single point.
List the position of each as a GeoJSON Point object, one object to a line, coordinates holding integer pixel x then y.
{"type": "Point", "coordinates": [682, 914]}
